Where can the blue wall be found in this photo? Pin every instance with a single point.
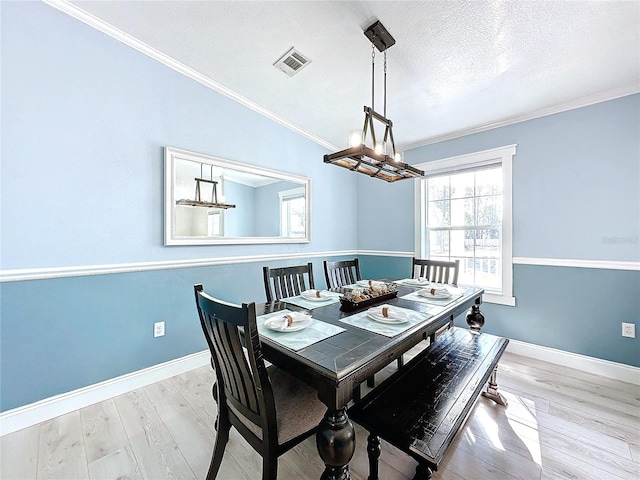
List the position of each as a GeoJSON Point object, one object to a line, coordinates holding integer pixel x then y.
{"type": "Point", "coordinates": [84, 122]}
{"type": "Point", "coordinates": [240, 221]}
{"type": "Point", "coordinates": [576, 195]}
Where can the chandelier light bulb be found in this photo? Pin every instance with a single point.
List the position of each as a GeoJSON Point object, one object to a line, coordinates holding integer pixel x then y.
{"type": "Point", "coordinates": [355, 138]}
{"type": "Point", "coordinates": [399, 157]}
{"type": "Point", "coordinates": [379, 148]}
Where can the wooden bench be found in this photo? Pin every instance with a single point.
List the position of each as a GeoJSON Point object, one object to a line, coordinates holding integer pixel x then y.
{"type": "Point", "coordinates": [420, 408]}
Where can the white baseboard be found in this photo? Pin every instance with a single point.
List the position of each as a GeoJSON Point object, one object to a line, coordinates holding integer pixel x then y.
{"type": "Point", "coordinates": [28, 415]}
{"type": "Point", "coordinates": [32, 414]}
{"type": "Point", "coordinates": [613, 370]}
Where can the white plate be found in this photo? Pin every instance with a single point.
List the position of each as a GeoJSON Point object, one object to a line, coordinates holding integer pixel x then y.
{"type": "Point", "coordinates": [397, 316]}
{"type": "Point", "coordinates": [279, 324]}
{"type": "Point", "coordinates": [365, 283]}
{"type": "Point", "coordinates": [312, 297]}
{"type": "Point", "coordinates": [426, 292]}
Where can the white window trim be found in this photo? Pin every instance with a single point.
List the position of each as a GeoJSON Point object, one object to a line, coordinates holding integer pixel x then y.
{"type": "Point", "coordinates": [503, 155]}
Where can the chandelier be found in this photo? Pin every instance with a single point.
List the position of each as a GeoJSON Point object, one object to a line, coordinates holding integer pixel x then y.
{"type": "Point", "coordinates": [197, 201]}
{"type": "Point", "coordinates": [379, 158]}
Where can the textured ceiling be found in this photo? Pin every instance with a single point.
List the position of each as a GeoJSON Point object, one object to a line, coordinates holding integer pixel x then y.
{"type": "Point", "coordinates": [456, 66]}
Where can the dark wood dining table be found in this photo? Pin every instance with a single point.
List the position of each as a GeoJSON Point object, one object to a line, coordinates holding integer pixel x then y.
{"type": "Point", "coordinates": [338, 364]}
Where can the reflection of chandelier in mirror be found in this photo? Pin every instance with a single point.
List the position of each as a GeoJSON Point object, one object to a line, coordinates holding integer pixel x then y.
{"type": "Point", "coordinates": [380, 160]}
{"type": "Point", "coordinates": [214, 203]}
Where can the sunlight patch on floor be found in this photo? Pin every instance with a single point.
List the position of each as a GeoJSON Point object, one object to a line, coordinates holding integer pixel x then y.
{"type": "Point", "coordinates": [526, 432]}
{"type": "Point", "coordinates": [490, 427]}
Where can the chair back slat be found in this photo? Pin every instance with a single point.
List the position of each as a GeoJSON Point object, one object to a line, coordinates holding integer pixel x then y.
{"type": "Point", "coordinates": [341, 273]}
{"type": "Point", "coordinates": [287, 281]}
{"type": "Point", "coordinates": [239, 383]}
{"type": "Point", "coordinates": [437, 271]}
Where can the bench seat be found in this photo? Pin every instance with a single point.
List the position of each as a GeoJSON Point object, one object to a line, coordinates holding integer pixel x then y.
{"type": "Point", "coordinates": [420, 408]}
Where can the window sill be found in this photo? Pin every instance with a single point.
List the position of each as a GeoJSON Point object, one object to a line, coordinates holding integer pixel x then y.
{"type": "Point", "coordinates": [499, 299]}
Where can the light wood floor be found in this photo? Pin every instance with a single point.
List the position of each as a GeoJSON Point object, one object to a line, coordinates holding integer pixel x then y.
{"type": "Point", "coordinates": [560, 423]}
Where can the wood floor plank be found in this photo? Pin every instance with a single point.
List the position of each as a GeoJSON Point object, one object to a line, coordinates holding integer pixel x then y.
{"type": "Point", "coordinates": [529, 366]}
{"type": "Point", "coordinates": [197, 392]}
{"type": "Point", "coordinates": [599, 421]}
{"type": "Point", "coordinates": [61, 452]}
{"type": "Point", "coordinates": [565, 389]}
{"type": "Point", "coordinates": [106, 443]}
{"type": "Point", "coordinates": [19, 454]}
{"type": "Point", "coordinates": [305, 458]}
{"type": "Point", "coordinates": [543, 422]}
{"type": "Point", "coordinates": [586, 410]}
{"type": "Point", "coordinates": [155, 450]}
{"type": "Point", "coordinates": [529, 442]}
{"type": "Point", "coordinates": [559, 466]}
{"type": "Point", "coordinates": [558, 424]}
{"type": "Point", "coordinates": [194, 436]}
{"type": "Point", "coordinates": [511, 460]}
{"type": "Point", "coordinates": [120, 464]}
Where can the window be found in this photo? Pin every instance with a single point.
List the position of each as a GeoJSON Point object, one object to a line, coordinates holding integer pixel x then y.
{"type": "Point", "coordinates": [292, 213]}
{"type": "Point", "coordinates": [464, 204]}
{"type": "Point", "coordinates": [214, 223]}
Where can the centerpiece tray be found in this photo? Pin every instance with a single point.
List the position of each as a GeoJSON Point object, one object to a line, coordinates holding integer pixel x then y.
{"type": "Point", "coordinates": [369, 297]}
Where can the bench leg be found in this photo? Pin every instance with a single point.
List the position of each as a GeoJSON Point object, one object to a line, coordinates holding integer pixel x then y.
{"type": "Point", "coordinates": [357, 393]}
{"type": "Point", "coordinates": [373, 449]}
{"type": "Point", "coordinates": [423, 472]}
{"type": "Point", "coordinates": [492, 390]}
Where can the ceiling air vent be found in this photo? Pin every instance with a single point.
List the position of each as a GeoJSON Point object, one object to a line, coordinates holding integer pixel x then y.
{"type": "Point", "coordinates": [292, 62]}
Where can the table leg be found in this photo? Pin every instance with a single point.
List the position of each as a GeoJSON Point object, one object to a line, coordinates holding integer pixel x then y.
{"type": "Point", "coordinates": [475, 318]}
{"type": "Point", "coordinates": [492, 389]}
{"type": "Point", "coordinates": [336, 442]}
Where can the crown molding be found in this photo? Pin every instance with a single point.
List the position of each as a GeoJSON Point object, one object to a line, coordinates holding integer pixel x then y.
{"type": "Point", "coordinates": [108, 29]}
{"type": "Point", "coordinates": [564, 107]}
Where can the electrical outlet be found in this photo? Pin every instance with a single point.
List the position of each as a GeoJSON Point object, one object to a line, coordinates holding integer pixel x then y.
{"type": "Point", "coordinates": [158, 329]}
{"type": "Point", "coordinates": [629, 330]}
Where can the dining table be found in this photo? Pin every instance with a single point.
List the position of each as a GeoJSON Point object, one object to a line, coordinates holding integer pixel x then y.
{"type": "Point", "coordinates": [343, 348]}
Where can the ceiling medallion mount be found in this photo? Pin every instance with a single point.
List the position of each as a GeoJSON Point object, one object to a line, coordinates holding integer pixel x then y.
{"type": "Point", "coordinates": [380, 159]}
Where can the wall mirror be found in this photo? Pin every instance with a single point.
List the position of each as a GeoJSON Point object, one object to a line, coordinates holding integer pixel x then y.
{"type": "Point", "coordinates": [212, 201]}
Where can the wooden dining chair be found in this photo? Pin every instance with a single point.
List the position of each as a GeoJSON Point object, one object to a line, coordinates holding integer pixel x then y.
{"type": "Point", "coordinates": [287, 281]}
{"type": "Point", "coordinates": [437, 271]}
{"type": "Point", "coordinates": [341, 273]}
{"type": "Point", "coordinates": [271, 409]}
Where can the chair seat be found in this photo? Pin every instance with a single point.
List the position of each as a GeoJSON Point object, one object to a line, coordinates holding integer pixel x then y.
{"type": "Point", "coordinates": [297, 405]}
{"type": "Point", "coordinates": [298, 408]}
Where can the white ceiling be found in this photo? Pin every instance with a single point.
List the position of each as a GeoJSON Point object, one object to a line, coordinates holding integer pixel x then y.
{"type": "Point", "coordinates": [457, 66]}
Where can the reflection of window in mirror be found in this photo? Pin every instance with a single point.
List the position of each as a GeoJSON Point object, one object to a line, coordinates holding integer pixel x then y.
{"type": "Point", "coordinates": [215, 223]}
{"type": "Point", "coordinates": [292, 212]}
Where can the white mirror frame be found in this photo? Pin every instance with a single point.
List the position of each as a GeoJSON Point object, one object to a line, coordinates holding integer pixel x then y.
{"type": "Point", "coordinates": [172, 154]}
